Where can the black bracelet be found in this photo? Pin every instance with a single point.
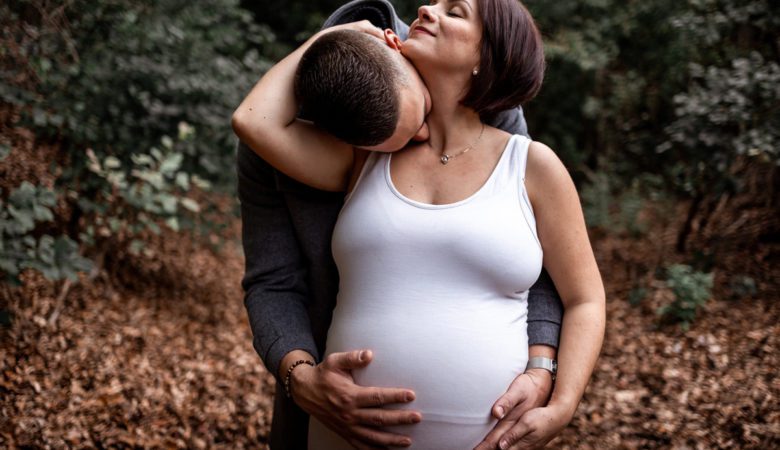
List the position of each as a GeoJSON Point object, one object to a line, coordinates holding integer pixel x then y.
{"type": "Point", "coordinates": [289, 373]}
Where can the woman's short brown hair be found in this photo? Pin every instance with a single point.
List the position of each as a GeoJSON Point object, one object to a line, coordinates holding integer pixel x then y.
{"type": "Point", "coordinates": [511, 67]}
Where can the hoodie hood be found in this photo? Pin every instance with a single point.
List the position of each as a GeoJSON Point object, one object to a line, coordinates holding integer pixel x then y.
{"type": "Point", "coordinates": [379, 12]}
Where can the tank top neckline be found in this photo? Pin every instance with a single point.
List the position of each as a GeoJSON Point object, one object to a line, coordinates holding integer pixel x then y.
{"type": "Point", "coordinates": [468, 199]}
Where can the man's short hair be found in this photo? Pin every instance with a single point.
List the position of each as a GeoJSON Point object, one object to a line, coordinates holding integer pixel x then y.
{"type": "Point", "coordinates": [348, 85]}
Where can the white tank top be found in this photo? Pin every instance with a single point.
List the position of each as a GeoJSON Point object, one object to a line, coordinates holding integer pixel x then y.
{"type": "Point", "coordinates": [438, 292]}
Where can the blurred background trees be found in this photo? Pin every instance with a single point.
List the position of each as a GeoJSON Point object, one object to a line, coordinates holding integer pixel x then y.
{"type": "Point", "coordinates": [664, 111]}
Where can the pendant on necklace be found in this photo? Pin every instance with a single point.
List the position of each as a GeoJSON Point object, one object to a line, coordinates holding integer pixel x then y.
{"type": "Point", "coordinates": [445, 159]}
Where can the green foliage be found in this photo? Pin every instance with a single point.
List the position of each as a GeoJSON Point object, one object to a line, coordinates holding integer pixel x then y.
{"type": "Point", "coordinates": [124, 73]}
{"type": "Point", "coordinates": [691, 290]}
{"type": "Point", "coordinates": [615, 207]}
{"type": "Point", "coordinates": [726, 112]}
{"type": "Point", "coordinates": [110, 81]}
{"type": "Point", "coordinates": [743, 286]}
{"type": "Point", "coordinates": [153, 189]}
{"type": "Point", "coordinates": [636, 295]}
{"type": "Point", "coordinates": [21, 248]}
{"type": "Point", "coordinates": [676, 89]}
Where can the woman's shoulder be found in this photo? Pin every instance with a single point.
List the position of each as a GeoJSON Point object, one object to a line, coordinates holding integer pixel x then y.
{"type": "Point", "coordinates": [546, 174]}
{"type": "Point", "coordinates": [543, 159]}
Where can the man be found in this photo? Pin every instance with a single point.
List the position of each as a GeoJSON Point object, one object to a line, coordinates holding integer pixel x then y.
{"type": "Point", "coordinates": [291, 285]}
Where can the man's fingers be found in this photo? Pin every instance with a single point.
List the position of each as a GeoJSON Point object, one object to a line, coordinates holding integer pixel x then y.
{"type": "Point", "coordinates": [360, 445]}
{"type": "Point", "coordinates": [374, 397]}
{"type": "Point", "coordinates": [377, 417]}
{"type": "Point", "coordinates": [514, 396]}
{"type": "Point", "coordinates": [348, 360]}
{"type": "Point", "coordinates": [382, 438]}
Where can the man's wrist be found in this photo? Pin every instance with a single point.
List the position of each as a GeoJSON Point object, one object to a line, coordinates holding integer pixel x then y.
{"type": "Point", "coordinates": [289, 358]}
{"type": "Point", "coordinates": [299, 378]}
{"type": "Point", "coordinates": [544, 363]}
{"type": "Point", "coordinates": [290, 370]}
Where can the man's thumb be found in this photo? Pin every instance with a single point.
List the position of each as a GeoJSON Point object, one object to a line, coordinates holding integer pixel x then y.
{"type": "Point", "coordinates": [351, 360]}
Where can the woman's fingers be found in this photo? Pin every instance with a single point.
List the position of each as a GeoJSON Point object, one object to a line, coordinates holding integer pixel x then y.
{"type": "Point", "coordinates": [367, 27]}
{"type": "Point", "coordinates": [364, 26]}
{"type": "Point", "coordinates": [491, 440]}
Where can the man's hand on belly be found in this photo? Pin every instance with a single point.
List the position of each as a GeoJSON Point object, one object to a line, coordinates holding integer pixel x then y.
{"type": "Point", "coordinates": [329, 393]}
{"type": "Point", "coordinates": [529, 390]}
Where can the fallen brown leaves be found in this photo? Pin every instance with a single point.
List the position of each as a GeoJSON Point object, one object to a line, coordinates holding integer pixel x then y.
{"type": "Point", "coordinates": [713, 386]}
{"type": "Point", "coordinates": [134, 368]}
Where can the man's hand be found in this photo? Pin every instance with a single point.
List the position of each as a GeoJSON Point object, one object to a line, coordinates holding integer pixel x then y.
{"type": "Point", "coordinates": [528, 391]}
{"type": "Point", "coordinates": [329, 393]}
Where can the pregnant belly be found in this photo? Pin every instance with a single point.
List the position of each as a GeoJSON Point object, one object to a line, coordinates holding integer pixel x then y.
{"type": "Point", "coordinates": [457, 364]}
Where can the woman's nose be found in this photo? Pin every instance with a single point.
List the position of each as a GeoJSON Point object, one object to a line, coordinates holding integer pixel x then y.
{"type": "Point", "coordinates": [425, 13]}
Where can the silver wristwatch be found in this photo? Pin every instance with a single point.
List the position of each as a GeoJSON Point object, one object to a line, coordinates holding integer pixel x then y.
{"type": "Point", "coordinates": [540, 362]}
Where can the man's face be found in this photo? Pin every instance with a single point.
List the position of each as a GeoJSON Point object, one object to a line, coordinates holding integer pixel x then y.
{"type": "Point", "coordinates": [414, 102]}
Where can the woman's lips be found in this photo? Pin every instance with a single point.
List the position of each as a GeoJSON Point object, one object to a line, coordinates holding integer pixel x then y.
{"type": "Point", "coordinates": [422, 30]}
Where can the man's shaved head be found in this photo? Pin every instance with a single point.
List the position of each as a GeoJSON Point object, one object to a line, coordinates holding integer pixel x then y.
{"type": "Point", "coordinates": [357, 88]}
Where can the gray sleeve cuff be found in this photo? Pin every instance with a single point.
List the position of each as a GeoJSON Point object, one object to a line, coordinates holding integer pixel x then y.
{"type": "Point", "coordinates": [542, 332]}
{"type": "Point", "coordinates": [545, 312]}
{"type": "Point", "coordinates": [280, 347]}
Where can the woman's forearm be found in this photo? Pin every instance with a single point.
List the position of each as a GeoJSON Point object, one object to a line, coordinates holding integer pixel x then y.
{"type": "Point", "coordinates": [270, 106]}
{"type": "Point", "coordinates": [266, 122]}
{"type": "Point", "coordinates": [582, 333]}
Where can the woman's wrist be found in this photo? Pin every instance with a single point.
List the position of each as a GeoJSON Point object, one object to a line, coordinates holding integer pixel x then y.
{"type": "Point", "coordinates": [565, 407]}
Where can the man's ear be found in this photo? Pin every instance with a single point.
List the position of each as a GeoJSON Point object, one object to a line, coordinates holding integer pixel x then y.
{"type": "Point", "coordinates": [392, 40]}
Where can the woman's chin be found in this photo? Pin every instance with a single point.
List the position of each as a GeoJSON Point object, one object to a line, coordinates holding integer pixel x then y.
{"type": "Point", "coordinates": [415, 54]}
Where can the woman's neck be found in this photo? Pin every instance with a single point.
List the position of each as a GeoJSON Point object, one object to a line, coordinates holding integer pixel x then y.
{"type": "Point", "coordinates": [451, 124]}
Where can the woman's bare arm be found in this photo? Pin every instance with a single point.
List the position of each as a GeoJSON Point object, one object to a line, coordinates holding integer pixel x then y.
{"type": "Point", "coordinates": [266, 121]}
{"type": "Point", "coordinates": [569, 259]}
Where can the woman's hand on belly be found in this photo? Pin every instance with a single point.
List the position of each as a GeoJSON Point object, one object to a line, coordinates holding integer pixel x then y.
{"type": "Point", "coordinates": [329, 393]}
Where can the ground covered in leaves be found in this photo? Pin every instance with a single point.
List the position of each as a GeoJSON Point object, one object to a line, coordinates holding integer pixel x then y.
{"type": "Point", "coordinates": [154, 351]}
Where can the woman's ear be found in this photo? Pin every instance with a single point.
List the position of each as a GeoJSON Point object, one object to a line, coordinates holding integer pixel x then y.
{"type": "Point", "coordinates": [392, 40]}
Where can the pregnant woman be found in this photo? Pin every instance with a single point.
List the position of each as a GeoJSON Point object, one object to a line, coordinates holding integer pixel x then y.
{"type": "Point", "coordinates": [438, 243]}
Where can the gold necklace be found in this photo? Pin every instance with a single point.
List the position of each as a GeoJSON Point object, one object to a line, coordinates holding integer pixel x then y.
{"type": "Point", "coordinates": [445, 158]}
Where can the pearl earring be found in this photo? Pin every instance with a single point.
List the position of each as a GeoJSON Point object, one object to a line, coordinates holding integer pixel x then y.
{"type": "Point", "coordinates": [475, 72]}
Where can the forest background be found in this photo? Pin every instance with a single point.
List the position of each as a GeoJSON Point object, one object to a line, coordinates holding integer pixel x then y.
{"type": "Point", "coordinates": [120, 306]}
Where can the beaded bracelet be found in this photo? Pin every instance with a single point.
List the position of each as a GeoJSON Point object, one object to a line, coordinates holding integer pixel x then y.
{"type": "Point", "coordinates": [289, 373]}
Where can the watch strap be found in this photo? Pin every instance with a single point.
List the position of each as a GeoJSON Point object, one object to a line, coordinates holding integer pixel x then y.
{"type": "Point", "coordinates": [542, 362]}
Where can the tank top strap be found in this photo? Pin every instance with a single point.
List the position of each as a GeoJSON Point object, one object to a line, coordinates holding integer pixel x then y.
{"type": "Point", "coordinates": [520, 162]}
{"type": "Point", "coordinates": [373, 162]}
{"type": "Point", "coordinates": [521, 155]}
{"type": "Point", "coordinates": [511, 170]}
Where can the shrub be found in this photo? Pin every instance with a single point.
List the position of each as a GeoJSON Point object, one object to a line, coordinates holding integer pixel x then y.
{"type": "Point", "coordinates": [617, 208]}
{"type": "Point", "coordinates": [27, 208]}
{"type": "Point", "coordinates": [110, 82]}
{"type": "Point", "coordinates": [691, 290]}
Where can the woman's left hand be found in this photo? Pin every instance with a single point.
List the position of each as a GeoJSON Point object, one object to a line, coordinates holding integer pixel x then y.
{"type": "Point", "coordinates": [535, 428]}
{"type": "Point", "coordinates": [363, 26]}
